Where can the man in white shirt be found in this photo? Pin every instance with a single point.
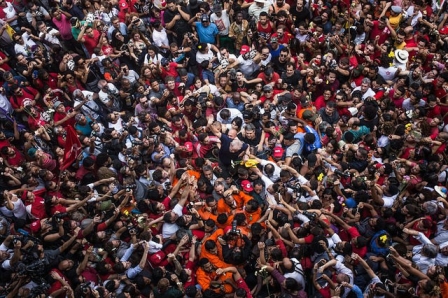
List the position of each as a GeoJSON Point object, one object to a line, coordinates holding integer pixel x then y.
{"type": "Point", "coordinates": [108, 95]}
{"type": "Point", "coordinates": [365, 89]}
{"type": "Point", "coordinates": [160, 37]}
{"type": "Point", "coordinates": [414, 13]}
{"type": "Point", "coordinates": [226, 116]}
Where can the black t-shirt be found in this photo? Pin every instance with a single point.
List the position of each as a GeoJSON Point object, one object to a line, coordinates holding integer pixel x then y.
{"type": "Point", "coordinates": [254, 142]}
{"type": "Point", "coordinates": [301, 16]}
{"type": "Point", "coordinates": [292, 80]}
{"type": "Point", "coordinates": [279, 67]}
{"type": "Point", "coordinates": [181, 26]}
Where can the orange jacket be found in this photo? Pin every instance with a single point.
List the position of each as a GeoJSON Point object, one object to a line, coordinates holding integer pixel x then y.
{"type": "Point", "coordinates": [204, 278]}
{"type": "Point", "coordinates": [216, 260]}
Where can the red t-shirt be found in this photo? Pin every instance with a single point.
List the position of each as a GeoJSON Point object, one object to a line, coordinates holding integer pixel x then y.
{"type": "Point", "coordinates": [91, 42]}
{"type": "Point", "coordinates": [17, 101]}
{"type": "Point", "coordinates": [171, 72]}
{"type": "Point", "coordinates": [5, 65]}
{"type": "Point", "coordinates": [275, 78]}
{"type": "Point", "coordinates": [59, 116]}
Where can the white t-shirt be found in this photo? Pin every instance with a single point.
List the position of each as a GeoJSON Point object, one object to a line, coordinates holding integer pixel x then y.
{"type": "Point", "coordinates": [156, 60]}
{"type": "Point", "coordinates": [104, 97]}
{"type": "Point", "coordinates": [207, 56]}
{"type": "Point", "coordinates": [10, 13]}
{"type": "Point", "coordinates": [387, 73]}
{"type": "Point", "coordinates": [160, 38]}
{"type": "Point", "coordinates": [25, 49]}
{"type": "Point", "coordinates": [223, 22]}
{"type": "Point", "coordinates": [247, 67]}
{"type": "Point", "coordinates": [169, 229]}
{"type": "Point", "coordinates": [233, 114]}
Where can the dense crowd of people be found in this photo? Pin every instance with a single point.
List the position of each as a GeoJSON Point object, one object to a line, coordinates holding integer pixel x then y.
{"type": "Point", "coordinates": [243, 148]}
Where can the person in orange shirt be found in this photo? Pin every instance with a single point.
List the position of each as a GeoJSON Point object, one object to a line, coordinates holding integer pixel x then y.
{"type": "Point", "coordinates": [209, 210]}
{"type": "Point", "coordinates": [212, 250]}
{"type": "Point", "coordinates": [232, 201]}
{"type": "Point", "coordinates": [208, 278]}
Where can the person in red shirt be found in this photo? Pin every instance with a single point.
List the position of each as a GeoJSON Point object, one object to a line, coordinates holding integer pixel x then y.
{"type": "Point", "coordinates": [63, 116]}
{"type": "Point", "coordinates": [264, 25]}
{"type": "Point", "coordinates": [322, 100]}
{"type": "Point", "coordinates": [4, 62]}
{"type": "Point", "coordinates": [20, 94]}
{"type": "Point", "coordinates": [12, 156]}
{"type": "Point", "coordinates": [283, 36]}
{"type": "Point", "coordinates": [90, 38]}
{"type": "Point", "coordinates": [168, 68]}
{"type": "Point", "coordinates": [358, 242]}
{"type": "Point", "coordinates": [380, 28]}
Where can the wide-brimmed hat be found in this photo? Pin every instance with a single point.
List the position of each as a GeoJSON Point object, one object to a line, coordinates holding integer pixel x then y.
{"type": "Point", "coordinates": [402, 56]}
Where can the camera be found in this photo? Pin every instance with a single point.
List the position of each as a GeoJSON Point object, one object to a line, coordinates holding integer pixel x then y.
{"type": "Point", "coordinates": [234, 230]}
{"type": "Point", "coordinates": [311, 215]}
{"type": "Point", "coordinates": [59, 216]}
{"type": "Point", "coordinates": [85, 287]}
{"type": "Point", "coordinates": [339, 173]}
{"type": "Point", "coordinates": [130, 187]}
{"type": "Point", "coordinates": [190, 207]}
{"type": "Point", "coordinates": [202, 100]}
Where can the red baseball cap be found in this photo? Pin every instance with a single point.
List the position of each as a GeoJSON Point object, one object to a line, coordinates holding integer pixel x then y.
{"type": "Point", "coordinates": [35, 226]}
{"type": "Point", "coordinates": [244, 49]}
{"type": "Point", "coordinates": [123, 5]}
{"type": "Point", "coordinates": [189, 146]}
{"type": "Point", "coordinates": [278, 152]}
{"type": "Point", "coordinates": [246, 185]}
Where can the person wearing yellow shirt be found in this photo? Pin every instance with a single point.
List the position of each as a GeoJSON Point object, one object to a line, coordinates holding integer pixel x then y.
{"type": "Point", "coordinates": [395, 16]}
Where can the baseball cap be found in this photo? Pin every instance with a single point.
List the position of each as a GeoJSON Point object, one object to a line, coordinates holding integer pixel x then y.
{"type": "Point", "coordinates": [247, 115]}
{"type": "Point", "coordinates": [123, 5]}
{"type": "Point", "coordinates": [312, 158]}
{"type": "Point", "coordinates": [32, 152]}
{"type": "Point", "coordinates": [287, 97]}
{"type": "Point", "coordinates": [204, 18]}
{"type": "Point", "coordinates": [35, 226]}
{"type": "Point", "coordinates": [164, 62]}
{"type": "Point", "coordinates": [268, 88]}
{"type": "Point", "coordinates": [444, 31]}
{"type": "Point", "coordinates": [274, 39]}
{"type": "Point", "coordinates": [56, 104]}
{"type": "Point", "coordinates": [278, 152]}
{"type": "Point", "coordinates": [309, 115]}
{"type": "Point", "coordinates": [189, 146]}
{"type": "Point", "coordinates": [396, 8]}
{"type": "Point", "coordinates": [244, 50]}
{"type": "Point", "coordinates": [78, 117]}
{"type": "Point", "coordinates": [245, 184]}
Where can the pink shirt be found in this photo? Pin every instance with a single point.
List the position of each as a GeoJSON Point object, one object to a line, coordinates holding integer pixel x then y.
{"type": "Point", "coordinates": [64, 27]}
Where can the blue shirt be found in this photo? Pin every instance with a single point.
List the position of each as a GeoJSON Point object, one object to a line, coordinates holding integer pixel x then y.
{"type": "Point", "coordinates": [275, 53]}
{"type": "Point", "coordinates": [225, 156]}
{"type": "Point", "coordinates": [207, 74]}
{"type": "Point", "coordinates": [86, 129]}
{"type": "Point", "coordinates": [206, 34]}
